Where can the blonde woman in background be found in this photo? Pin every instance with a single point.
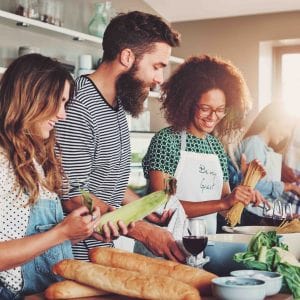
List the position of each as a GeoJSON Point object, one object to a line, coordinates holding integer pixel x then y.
{"type": "Point", "coordinates": [34, 91]}
{"type": "Point", "coordinates": [268, 134]}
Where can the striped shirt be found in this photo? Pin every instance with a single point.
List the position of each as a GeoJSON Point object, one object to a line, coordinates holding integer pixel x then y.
{"type": "Point", "coordinates": [95, 145]}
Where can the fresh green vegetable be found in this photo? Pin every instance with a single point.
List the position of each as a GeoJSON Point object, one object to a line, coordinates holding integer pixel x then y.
{"type": "Point", "coordinates": [266, 252]}
{"type": "Point", "coordinates": [287, 257]}
{"type": "Point", "coordinates": [137, 210]}
{"type": "Point", "coordinates": [87, 200]}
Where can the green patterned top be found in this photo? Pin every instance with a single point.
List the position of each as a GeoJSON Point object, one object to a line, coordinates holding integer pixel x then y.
{"type": "Point", "coordinates": [164, 151]}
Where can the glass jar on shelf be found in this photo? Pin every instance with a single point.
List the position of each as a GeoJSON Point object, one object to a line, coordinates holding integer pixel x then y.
{"type": "Point", "coordinates": [51, 11]}
{"type": "Point", "coordinates": [27, 8]}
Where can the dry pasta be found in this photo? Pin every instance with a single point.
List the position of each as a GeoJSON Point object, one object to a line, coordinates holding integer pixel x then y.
{"type": "Point", "coordinates": [289, 226]}
{"type": "Point", "coordinates": [253, 174]}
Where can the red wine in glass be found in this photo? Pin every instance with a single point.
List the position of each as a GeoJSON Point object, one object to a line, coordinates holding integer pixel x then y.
{"type": "Point", "coordinates": [194, 244]}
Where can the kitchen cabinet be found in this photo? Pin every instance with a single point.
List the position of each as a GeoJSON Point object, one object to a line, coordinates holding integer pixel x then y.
{"type": "Point", "coordinates": [34, 26]}
{"type": "Point", "coordinates": [63, 43]}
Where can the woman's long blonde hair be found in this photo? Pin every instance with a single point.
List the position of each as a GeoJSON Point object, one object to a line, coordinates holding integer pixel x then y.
{"type": "Point", "coordinates": [30, 91]}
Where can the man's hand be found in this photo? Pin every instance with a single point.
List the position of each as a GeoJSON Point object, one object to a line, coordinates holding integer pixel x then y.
{"type": "Point", "coordinates": [111, 232]}
{"type": "Point", "coordinates": [158, 240]}
{"type": "Point", "coordinates": [162, 243]}
{"type": "Point", "coordinates": [161, 220]}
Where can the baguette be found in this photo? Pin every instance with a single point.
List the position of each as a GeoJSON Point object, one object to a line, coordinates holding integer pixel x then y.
{"type": "Point", "coordinates": [117, 258]}
{"type": "Point", "coordinates": [124, 282]}
{"type": "Point", "coordinates": [69, 289]}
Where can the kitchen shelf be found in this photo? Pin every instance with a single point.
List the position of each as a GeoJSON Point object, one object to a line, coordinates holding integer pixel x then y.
{"type": "Point", "coordinates": [38, 26]}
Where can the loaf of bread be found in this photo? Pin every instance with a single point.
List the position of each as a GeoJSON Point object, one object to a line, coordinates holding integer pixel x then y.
{"type": "Point", "coordinates": [117, 258]}
{"type": "Point", "coordinates": [69, 289]}
{"type": "Point", "coordinates": [124, 282]}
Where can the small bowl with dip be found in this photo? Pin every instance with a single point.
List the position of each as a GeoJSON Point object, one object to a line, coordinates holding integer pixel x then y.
{"type": "Point", "coordinates": [237, 288]}
{"type": "Point", "coordinates": [273, 279]}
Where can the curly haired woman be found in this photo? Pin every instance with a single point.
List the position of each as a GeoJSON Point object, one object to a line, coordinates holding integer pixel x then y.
{"type": "Point", "coordinates": [204, 94]}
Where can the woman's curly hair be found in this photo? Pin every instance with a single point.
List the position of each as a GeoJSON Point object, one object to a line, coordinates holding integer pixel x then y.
{"type": "Point", "coordinates": [196, 76]}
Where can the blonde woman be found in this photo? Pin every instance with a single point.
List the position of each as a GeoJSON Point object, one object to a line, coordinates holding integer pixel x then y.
{"type": "Point", "coordinates": [34, 235]}
{"type": "Point", "coordinates": [267, 135]}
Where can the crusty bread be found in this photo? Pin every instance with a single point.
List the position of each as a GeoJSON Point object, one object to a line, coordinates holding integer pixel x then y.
{"type": "Point", "coordinates": [117, 258]}
{"type": "Point", "coordinates": [124, 282]}
{"type": "Point", "coordinates": [69, 289]}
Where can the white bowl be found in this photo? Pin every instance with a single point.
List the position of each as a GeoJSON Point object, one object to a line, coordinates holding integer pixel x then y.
{"type": "Point", "coordinates": [237, 288]}
{"type": "Point", "coordinates": [273, 279]}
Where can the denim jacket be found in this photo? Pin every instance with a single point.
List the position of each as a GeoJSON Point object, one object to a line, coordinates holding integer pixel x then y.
{"type": "Point", "coordinates": [37, 274]}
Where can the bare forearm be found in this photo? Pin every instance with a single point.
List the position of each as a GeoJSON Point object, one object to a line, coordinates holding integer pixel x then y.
{"type": "Point", "coordinates": [17, 252]}
{"type": "Point", "coordinates": [196, 209]}
{"type": "Point", "coordinates": [140, 231]}
{"type": "Point", "coordinates": [130, 196]}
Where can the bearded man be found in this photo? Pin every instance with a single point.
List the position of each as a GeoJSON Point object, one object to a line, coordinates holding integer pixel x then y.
{"type": "Point", "coordinates": [94, 139]}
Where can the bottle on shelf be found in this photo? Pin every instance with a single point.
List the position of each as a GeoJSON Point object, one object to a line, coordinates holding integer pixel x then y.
{"type": "Point", "coordinates": [51, 11]}
{"type": "Point", "coordinates": [103, 13]}
{"type": "Point", "coordinates": [27, 8]}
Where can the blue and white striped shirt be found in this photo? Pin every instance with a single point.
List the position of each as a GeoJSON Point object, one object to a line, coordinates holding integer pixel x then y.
{"type": "Point", "coordinates": [95, 145]}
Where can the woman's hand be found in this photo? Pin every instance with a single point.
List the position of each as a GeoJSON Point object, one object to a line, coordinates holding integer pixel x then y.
{"type": "Point", "coordinates": [162, 219]}
{"type": "Point", "coordinates": [79, 224]}
{"type": "Point", "coordinates": [292, 187]}
{"type": "Point", "coordinates": [245, 195]}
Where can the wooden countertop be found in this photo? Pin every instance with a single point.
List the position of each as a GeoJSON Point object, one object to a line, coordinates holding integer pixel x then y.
{"type": "Point", "coordinates": [119, 297]}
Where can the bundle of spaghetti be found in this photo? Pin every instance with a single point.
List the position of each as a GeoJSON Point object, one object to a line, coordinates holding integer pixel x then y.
{"type": "Point", "coordinates": [254, 173]}
{"type": "Point", "coordinates": [289, 226]}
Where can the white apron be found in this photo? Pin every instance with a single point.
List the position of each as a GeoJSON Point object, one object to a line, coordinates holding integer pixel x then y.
{"type": "Point", "coordinates": [199, 178]}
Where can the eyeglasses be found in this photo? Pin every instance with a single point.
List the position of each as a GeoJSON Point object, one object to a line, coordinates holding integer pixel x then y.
{"type": "Point", "coordinates": [205, 111]}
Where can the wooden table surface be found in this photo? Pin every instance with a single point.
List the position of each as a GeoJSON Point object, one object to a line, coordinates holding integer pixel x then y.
{"type": "Point", "coordinates": [119, 297]}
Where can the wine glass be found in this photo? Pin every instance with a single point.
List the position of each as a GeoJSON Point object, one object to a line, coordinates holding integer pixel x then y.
{"type": "Point", "coordinates": [196, 239]}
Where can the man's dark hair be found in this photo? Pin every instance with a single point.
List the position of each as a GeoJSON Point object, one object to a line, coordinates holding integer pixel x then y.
{"type": "Point", "coordinates": [137, 31]}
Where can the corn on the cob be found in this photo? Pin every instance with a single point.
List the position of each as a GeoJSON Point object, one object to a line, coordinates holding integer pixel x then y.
{"type": "Point", "coordinates": [87, 200]}
{"type": "Point", "coordinates": [138, 209]}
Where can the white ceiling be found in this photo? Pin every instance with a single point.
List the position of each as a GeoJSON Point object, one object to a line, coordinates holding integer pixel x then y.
{"type": "Point", "coordinates": [187, 10]}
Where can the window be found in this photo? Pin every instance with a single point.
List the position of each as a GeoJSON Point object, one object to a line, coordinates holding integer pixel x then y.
{"type": "Point", "coordinates": [286, 86]}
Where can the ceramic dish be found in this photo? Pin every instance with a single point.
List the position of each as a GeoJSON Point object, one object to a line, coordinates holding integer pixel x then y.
{"type": "Point", "coordinates": [273, 280]}
{"type": "Point", "coordinates": [237, 288]}
{"type": "Point", "coordinates": [248, 229]}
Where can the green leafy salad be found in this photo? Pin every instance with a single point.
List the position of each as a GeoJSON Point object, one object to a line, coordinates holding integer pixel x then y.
{"type": "Point", "coordinates": [267, 252]}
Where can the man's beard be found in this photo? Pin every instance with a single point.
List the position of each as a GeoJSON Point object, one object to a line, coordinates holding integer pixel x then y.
{"type": "Point", "coordinates": [132, 92]}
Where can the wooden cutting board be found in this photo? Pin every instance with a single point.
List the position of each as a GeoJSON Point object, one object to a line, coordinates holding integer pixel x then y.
{"type": "Point", "coordinates": [119, 297]}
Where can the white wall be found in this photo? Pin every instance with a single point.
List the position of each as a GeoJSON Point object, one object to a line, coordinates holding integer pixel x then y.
{"type": "Point", "coordinates": [238, 39]}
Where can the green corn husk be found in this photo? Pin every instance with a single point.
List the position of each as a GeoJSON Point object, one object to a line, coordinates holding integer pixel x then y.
{"type": "Point", "coordinates": [87, 200]}
{"type": "Point", "coordinates": [140, 208]}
